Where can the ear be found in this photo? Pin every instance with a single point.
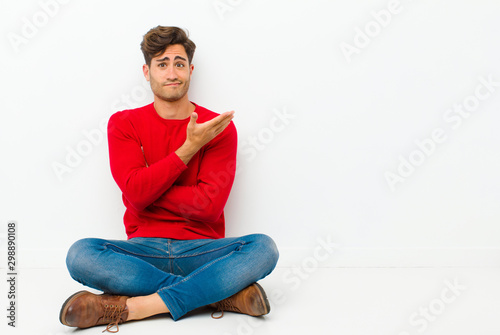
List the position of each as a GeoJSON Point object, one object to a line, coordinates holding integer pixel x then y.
{"type": "Point", "coordinates": [145, 70]}
{"type": "Point", "coordinates": [191, 68]}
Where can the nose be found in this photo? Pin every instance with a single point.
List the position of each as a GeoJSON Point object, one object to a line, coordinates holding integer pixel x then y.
{"type": "Point", "coordinates": [171, 73]}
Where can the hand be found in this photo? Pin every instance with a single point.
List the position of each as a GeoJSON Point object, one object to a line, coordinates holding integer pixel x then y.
{"type": "Point", "coordinates": [199, 134]}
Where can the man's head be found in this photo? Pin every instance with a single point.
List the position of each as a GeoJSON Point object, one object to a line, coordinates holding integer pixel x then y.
{"type": "Point", "coordinates": [158, 39]}
{"type": "Point", "coordinates": [168, 53]}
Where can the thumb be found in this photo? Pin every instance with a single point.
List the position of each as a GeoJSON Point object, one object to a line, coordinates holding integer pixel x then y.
{"type": "Point", "coordinates": [194, 117]}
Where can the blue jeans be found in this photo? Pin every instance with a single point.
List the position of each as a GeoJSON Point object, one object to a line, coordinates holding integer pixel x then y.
{"type": "Point", "coordinates": [185, 273]}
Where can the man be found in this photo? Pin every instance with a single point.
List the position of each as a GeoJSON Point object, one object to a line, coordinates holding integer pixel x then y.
{"type": "Point", "coordinates": [175, 163]}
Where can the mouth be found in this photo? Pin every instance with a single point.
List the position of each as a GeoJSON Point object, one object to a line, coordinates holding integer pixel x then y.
{"type": "Point", "coordinates": [172, 84]}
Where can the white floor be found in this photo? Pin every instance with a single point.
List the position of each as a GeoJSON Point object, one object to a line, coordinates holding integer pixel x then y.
{"type": "Point", "coordinates": [350, 301]}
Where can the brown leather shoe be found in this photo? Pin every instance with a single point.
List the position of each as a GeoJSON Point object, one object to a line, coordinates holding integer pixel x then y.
{"type": "Point", "coordinates": [251, 300]}
{"type": "Point", "coordinates": [84, 309]}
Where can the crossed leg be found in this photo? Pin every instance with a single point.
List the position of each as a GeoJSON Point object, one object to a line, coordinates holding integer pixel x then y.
{"type": "Point", "coordinates": [171, 276]}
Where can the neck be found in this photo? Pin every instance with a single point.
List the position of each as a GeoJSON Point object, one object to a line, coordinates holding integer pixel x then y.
{"type": "Point", "coordinates": [177, 110]}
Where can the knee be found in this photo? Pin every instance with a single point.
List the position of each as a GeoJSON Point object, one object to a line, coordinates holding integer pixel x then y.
{"type": "Point", "coordinates": [79, 256]}
{"type": "Point", "coordinates": [268, 250]}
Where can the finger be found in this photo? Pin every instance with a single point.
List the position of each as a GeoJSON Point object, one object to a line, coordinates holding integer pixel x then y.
{"type": "Point", "coordinates": [221, 126]}
{"type": "Point", "coordinates": [224, 121]}
{"type": "Point", "coordinates": [194, 117]}
{"type": "Point", "coordinates": [220, 118]}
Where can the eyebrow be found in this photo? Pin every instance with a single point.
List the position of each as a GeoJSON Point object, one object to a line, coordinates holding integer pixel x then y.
{"type": "Point", "coordinates": [176, 57]}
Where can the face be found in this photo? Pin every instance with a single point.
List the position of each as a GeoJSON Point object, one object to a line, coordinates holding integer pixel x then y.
{"type": "Point", "coordinates": [169, 74]}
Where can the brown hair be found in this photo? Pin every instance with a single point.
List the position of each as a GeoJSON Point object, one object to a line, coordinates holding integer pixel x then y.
{"type": "Point", "coordinates": [156, 41]}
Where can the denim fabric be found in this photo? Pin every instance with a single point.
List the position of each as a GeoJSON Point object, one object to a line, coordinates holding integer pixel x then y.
{"type": "Point", "coordinates": [185, 273]}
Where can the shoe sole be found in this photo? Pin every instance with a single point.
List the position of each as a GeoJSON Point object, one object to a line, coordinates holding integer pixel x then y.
{"type": "Point", "coordinates": [267, 307]}
{"type": "Point", "coordinates": [64, 310]}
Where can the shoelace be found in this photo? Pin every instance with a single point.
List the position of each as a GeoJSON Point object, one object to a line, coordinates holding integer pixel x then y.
{"type": "Point", "coordinates": [224, 305]}
{"type": "Point", "coordinates": [113, 313]}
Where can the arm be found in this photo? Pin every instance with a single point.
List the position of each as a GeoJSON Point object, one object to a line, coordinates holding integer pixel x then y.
{"type": "Point", "coordinates": [141, 185]}
{"type": "Point", "coordinates": [205, 201]}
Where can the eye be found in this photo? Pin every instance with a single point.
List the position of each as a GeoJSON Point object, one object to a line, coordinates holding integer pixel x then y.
{"type": "Point", "coordinates": [179, 65]}
{"type": "Point", "coordinates": [162, 65]}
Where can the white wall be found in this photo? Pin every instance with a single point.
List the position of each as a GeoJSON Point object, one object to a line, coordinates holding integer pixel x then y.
{"type": "Point", "coordinates": [361, 82]}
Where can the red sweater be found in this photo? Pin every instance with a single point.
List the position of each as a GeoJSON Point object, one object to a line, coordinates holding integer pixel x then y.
{"type": "Point", "coordinates": [164, 197]}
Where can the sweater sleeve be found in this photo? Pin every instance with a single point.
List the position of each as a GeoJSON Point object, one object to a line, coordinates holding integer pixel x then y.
{"type": "Point", "coordinates": [205, 200]}
{"type": "Point", "coordinates": [141, 185]}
